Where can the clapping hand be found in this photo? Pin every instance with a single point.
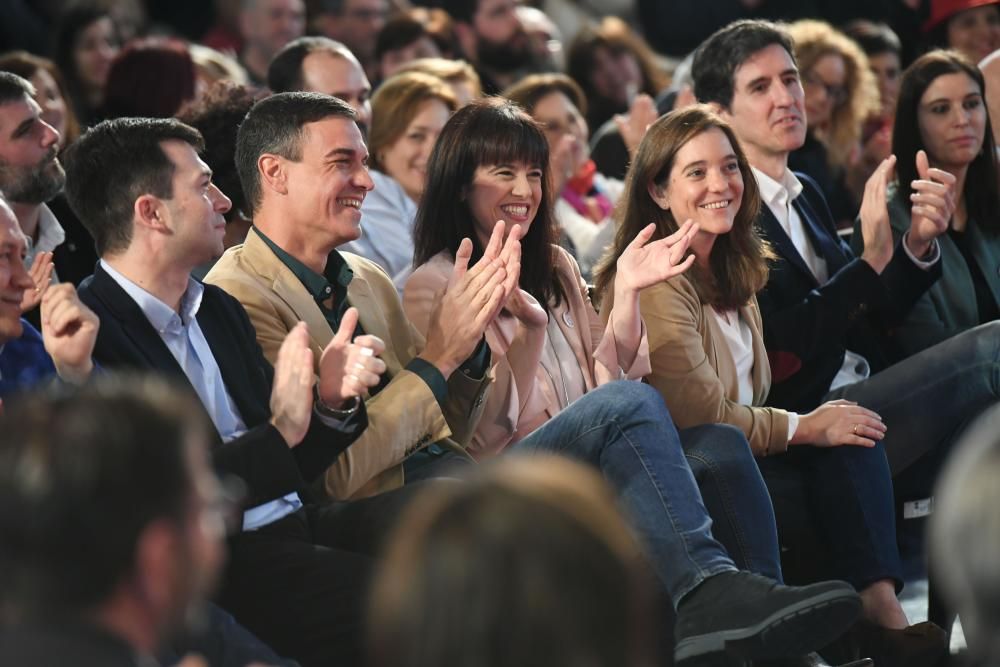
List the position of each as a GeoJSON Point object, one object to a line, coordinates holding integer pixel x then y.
{"type": "Point", "coordinates": [470, 302]}
{"type": "Point", "coordinates": [934, 201]}
{"type": "Point", "coordinates": [291, 391]}
{"type": "Point", "coordinates": [875, 229]}
{"type": "Point", "coordinates": [41, 274]}
{"type": "Point", "coordinates": [633, 125]}
{"type": "Point", "coordinates": [69, 332]}
{"type": "Point", "coordinates": [643, 264]}
{"type": "Point", "coordinates": [348, 369]}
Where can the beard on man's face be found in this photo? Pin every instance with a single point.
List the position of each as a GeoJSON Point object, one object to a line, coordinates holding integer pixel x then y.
{"type": "Point", "coordinates": [33, 185]}
{"type": "Point", "coordinates": [507, 56]}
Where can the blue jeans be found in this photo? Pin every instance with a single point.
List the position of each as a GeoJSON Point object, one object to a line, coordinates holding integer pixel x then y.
{"type": "Point", "coordinates": [625, 431]}
{"type": "Point", "coordinates": [847, 492]}
{"type": "Point", "coordinates": [928, 399]}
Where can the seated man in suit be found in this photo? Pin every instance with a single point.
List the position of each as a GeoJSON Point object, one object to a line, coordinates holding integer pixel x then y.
{"type": "Point", "coordinates": [288, 271]}
{"type": "Point", "coordinates": [115, 536]}
{"type": "Point", "coordinates": [826, 313]}
{"type": "Point", "coordinates": [297, 572]}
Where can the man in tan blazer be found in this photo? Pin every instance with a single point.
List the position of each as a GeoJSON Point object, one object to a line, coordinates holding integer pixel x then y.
{"type": "Point", "coordinates": [302, 163]}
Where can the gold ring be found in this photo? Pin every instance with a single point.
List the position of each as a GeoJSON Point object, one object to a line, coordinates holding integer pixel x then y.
{"type": "Point", "coordinates": [856, 428]}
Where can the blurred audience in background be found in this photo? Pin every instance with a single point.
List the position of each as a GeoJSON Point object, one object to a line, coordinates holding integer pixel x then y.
{"type": "Point", "coordinates": [612, 65]}
{"type": "Point", "coordinates": [971, 27]}
{"type": "Point", "coordinates": [458, 74]}
{"type": "Point", "coordinates": [266, 26]}
{"type": "Point", "coordinates": [87, 41]}
{"type": "Point", "coordinates": [884, 51]}
{"type": "Point", "coordinates": [408, 36]}
{"type": "Point", "coordinates": [356, 24]}
{"type": "Point", "coordinates": [151, 77]}
{"type": "Point", "coordinates": [840, 94]}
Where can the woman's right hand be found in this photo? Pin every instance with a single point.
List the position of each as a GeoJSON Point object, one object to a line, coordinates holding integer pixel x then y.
{"type": "Point", "coordinates": [839, 423]}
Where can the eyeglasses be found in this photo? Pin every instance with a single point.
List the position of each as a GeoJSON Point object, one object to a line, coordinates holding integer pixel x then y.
{"type": "Point", "coordinates": [835, 93]}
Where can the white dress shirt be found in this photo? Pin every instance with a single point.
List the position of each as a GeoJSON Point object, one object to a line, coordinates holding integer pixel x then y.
{"type": "Point", "coordinates": [739, 341]}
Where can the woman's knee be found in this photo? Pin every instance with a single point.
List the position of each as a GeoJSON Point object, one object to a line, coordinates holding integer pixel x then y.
{"type": "Point", "coordinates": [628, 397]}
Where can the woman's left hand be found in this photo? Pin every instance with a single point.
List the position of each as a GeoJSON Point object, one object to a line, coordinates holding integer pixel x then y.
{"type": "Point", "coordinates": [644, 264]}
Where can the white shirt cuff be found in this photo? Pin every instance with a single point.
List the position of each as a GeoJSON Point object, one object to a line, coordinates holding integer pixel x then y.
{"type": "Point", "coordinates": [924, 264]}
{"type": "Point", "coordinates": [793, 424]}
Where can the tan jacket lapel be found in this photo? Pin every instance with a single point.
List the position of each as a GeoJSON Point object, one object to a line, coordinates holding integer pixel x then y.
{"type": "Point", "coordinates": [261, 259]}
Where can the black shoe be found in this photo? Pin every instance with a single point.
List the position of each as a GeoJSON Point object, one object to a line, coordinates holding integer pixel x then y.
{"type": "Point", "coordinates": [754, 618]}
{"type": "Point", "coordinates": [920, 645]}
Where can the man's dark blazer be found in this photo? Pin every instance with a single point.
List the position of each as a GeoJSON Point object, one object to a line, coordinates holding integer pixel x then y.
{"type": "Point", "coordinates": [260, 457]}
{"type": "Point", "coordinates": [807, 326]}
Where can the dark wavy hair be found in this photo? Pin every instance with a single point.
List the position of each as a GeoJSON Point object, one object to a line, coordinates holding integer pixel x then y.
{"type": "Point", "coordinates": [738, 264]}
{"type": "Point", "coordinates": [486, 132]}
{"type": "Point", "coordinates": [981, 199]}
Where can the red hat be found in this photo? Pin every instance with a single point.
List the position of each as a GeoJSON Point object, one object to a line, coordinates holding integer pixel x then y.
{"type": "Point", "coordinates": [942, 10]}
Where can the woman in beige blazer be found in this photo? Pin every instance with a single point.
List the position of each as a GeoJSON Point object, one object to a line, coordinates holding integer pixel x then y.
{"type": "Point", "coordinates": [707, 352]}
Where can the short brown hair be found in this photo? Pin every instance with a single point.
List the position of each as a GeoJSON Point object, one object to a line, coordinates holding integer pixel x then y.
{"type": "Point", "coordinates": [396, 102]}
{"type": "Point", "coordinates": [738, 265]}
{"type": "Point", "coordinates": [530, 90]}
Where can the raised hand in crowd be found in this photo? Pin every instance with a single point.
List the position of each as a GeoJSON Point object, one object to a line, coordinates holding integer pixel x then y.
{"type": "Point", "coordinates": [641, 265]}
{"type": "Point", "coordinates": [839, 423]}
{"type": "Point", "coordinates": [41, 274]}
{"type": "Point", "coordinates": [934, 200]}
{"type": "Point", "coordinates": [632, 126]}
{"type": "Point", "coordinates": [567, 155]}
{"type": "Point", "coordinates": [348, 369]}
{"type": "Point", "coordinates": [473, 298]}
{"type": "Point", "coordinates": [875, 228]}
{"type": "Point", "coordinates": [69, 332]}
{"type": "Point", "coordinates": [644, 264]}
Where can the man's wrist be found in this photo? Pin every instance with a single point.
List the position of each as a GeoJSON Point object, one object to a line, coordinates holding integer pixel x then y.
{"type": "Point", "coordinates": [919, 249]}
{"type": "Point", "coordinates": [343, 412]}
{"type": "Point", "coordinates": [74, 374]}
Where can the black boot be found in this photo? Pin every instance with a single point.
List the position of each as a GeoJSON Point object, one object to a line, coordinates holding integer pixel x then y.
{"type": "Point", "coordinates": [754, 618]}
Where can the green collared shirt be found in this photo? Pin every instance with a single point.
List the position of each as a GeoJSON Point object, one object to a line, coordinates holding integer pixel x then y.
{"type": "Point", "coordinates": [330, 292]}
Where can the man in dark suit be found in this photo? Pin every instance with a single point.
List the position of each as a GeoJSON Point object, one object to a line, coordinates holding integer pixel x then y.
{"type": "Point", "coordinates": [298, 571]}
{"type": "Point", "coordinates": [827, 314]}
